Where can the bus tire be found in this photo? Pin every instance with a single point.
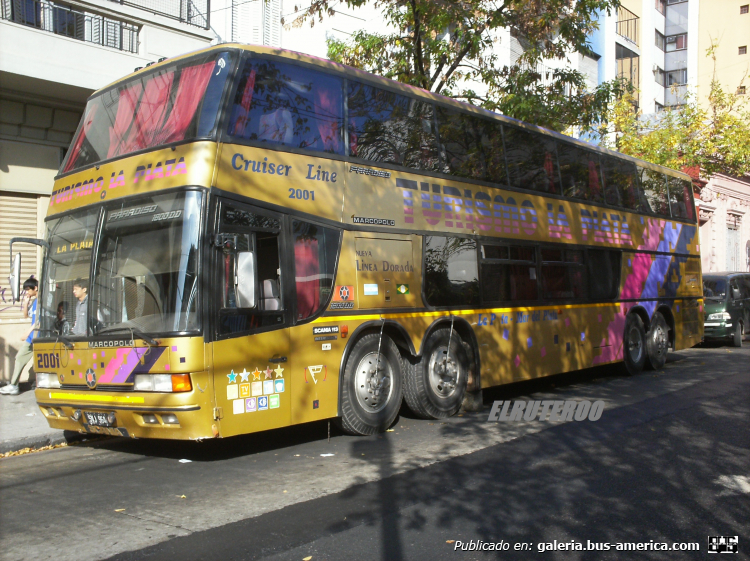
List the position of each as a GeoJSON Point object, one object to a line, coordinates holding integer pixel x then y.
{"type": "Point", "coordinates": [634, 345]}
{"type": "Point", "coordinates": [434, 388]}
{"type": "Point", "coordinates": [737, 337]}
{"type": "Point", "coordinates": [657, 342]}
{"type": "Point", "coordinates": [371, 400]}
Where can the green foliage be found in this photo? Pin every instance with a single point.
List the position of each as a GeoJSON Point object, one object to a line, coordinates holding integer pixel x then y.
{"type": "Point", "coordinates": [444, 46]}
{"type": "Point", "coordinates": [715, 137]}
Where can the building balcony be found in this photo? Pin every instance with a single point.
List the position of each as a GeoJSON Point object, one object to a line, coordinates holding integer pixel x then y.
{"type": "Point", "coordinates": [67, 22]}
{"type": "Point", "coordinates": [627, 25]}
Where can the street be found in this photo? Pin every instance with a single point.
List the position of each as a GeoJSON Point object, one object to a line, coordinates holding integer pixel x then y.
{"type": "Point", "coordinates": [667, 462]}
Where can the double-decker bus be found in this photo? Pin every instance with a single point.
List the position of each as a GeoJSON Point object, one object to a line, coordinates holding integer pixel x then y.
{"type": "Point", "coordinates": [246, 238]}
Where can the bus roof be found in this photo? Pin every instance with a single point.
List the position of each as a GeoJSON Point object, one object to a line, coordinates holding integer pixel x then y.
{"type": "Point", "coordinates": [339, 68]}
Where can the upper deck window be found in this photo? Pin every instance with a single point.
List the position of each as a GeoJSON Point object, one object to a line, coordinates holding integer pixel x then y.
{"type": "Point", "coordinates": [280, 103]}
{"type": "Point", "coordinates": [391, 128]}
{"type": "Point", "coordinates": [175, 102]}
{"type": "Point", "coordinates": [471, 147]}
{"type": "Point", "coordinates": [532, 160]}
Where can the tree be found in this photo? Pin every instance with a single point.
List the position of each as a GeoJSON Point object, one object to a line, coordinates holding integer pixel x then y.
{"type": "Point", "coordinates": [714, 138]}
{"type": "Point", "coordinates": [449, 47]}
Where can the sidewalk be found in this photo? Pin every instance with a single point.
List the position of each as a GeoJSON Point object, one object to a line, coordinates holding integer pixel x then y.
{"type": "Point", "coordinates": [22, 424]}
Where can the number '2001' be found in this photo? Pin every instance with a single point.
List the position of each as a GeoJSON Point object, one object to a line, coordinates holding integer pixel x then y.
{"type": "Point", "coordinates": [301, 194]}
{"type": "Point", "coordinates": [48, 360]}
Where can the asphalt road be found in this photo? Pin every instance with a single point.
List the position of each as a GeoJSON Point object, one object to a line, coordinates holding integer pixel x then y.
{"type": "Point", "coordinates": [668, 461]}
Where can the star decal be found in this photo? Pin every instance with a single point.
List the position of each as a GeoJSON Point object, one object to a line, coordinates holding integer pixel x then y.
{"type": "Point", "coordinates": [256, 374]}
{"type": "Point", "coordinates": [279, 371]}
{"type": "Point", "coordinates": [244, 374]}
{"type": "Point", "coordinates": [232, 377]}
{"type": "Point", "coordinates": [268, 373]}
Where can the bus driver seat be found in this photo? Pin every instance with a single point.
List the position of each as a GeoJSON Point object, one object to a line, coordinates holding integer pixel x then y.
{"type": "Point", "coordinates": [271, 300]}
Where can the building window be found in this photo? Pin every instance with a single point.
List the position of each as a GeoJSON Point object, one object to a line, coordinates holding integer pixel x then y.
{"type": "Point", "coordinates": [741, 90]}
{"type": "Point", "coordinates": [660, 76]}
{"type": "Point", "coordinates": [676, 42]}
{"type": "Point", "coordinates": [676, 1]}
{"type": "Point", "coordinates": [658, 107]}
{"type": "Point", "coordinates": [659, 40]}
{"type": "Point", "coordinates": [743, 50]}
{"type": "Point", "coordinates": [676, 77]}
{"type": "Point", "coordinates": [744, 9]}
{"type": "Point", "coordinates": [661, 6]}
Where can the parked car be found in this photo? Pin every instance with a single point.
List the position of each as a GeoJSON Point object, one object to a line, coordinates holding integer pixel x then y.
{"type": "Point", "coordinates": [727, 306]}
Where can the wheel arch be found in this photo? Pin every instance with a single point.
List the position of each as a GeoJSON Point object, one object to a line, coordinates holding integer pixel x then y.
{"type": "Point", "coordinates": [464, 329]}
{"type": "Point", "coordinates": [641, 312]}
{"type": "Point", "coordinates": [393, 329]}
{"type": "Point", "coordinates": [666, 311]}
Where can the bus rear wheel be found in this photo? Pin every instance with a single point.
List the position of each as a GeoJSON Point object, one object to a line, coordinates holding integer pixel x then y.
{"type": "Point", "coordinates": [634, 345]}
{"type": "Point", "coordinates": [372, 388]}
{"type": "Point", "coordinates": [434, 388]}
{"type": "Point", "coordinates": [657, 341]}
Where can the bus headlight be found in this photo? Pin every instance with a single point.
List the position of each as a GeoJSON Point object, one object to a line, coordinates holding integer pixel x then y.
{"type": "Point", "coordinates": [721, 316]}
{"type": "Point", "coordinates": [165, 383]}
{"type": "Point", "coordinates": [45, 380]}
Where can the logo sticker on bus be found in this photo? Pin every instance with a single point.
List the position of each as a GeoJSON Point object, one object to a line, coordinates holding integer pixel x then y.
{"type": "Point", "coordinates": [251, 404]}
{"type": "Point", "coordinates": [343, 293]}
{"type": "Point", "coordinates": [263, 403]}
{"type": "Point", "coordinates": [315, 373]}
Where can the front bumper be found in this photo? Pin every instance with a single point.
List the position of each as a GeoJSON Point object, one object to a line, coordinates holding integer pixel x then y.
{"type": "Point", "coordinates": [137, 414]}
{"type": "Point", "coordinates": [718, 330]}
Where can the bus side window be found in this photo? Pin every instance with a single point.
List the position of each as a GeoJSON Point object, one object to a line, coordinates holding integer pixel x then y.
{"type": "Point", "coordinates": [250, 231]}
{"type": "Point", "coordinates": [604, 273]}
{"type": "Point", "coordinates": [621, 182]}
{"type": "Point", "coordinates": [315, 251]}
{"type": "Point", "coordinates": [654, 185]}
{"type": "Point", "coordinates": [391, 128]}
{"type": "Point", "coordinates": [532, 160]}
{"type": "Point", "coordinates": [508, 273]}
{"type": "Point", "coordinates": [450, 277]}
{"type": "Point", "coordinates": [579, 170]}
{"type": "Point", "coordinates": [280, 103]}
{"type": "Point", "coordinates": [563, 274]}
{"type": "Point", "coordinates": [677, 198]}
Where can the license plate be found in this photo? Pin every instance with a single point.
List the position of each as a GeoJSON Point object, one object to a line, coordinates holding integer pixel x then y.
{"type": "Point", "coordinates": [97, 419]}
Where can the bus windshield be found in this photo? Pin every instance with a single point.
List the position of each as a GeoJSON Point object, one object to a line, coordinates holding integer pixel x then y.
{"type": "Point", "coordinates": [146, 269]}
{"type": "Point", "coordinates": [172, 103]}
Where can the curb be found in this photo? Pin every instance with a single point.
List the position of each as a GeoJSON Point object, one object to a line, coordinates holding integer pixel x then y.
{"type": "Point", "coordinates": [39, 441]}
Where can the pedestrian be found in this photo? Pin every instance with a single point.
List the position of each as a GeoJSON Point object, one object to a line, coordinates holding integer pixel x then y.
{"type": "Point", "coordinates": [28, 304]}
{"type": "Point", "coordinates": [81, 292]}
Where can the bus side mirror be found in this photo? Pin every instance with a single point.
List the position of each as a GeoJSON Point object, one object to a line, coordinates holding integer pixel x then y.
{"type": "Point", "coordinates": [15, 277]}
{"type": "Point", "coordinates": [735, 294]}
{"type": "Point", "coordinates": [245, 279]}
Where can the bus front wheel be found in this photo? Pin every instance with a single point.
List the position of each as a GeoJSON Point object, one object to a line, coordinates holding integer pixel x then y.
{"type": "Point", "coordinates": [434, 388]}
{"type": "Point", "coordinates": [657, 341]}
{"type": "Point", "coordinates": [634, 345]}
{"type": "Point", "coordinates": [372, 387]}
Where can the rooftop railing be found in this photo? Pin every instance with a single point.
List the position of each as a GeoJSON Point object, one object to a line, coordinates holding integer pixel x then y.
{"type": "Point", "coordinates": [62, 20]}
{"type": "Point", "coordinates": [191, 12]}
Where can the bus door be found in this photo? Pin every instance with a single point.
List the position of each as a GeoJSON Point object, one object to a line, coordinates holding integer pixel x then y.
{"type": "Point", "coordinates": [251, 358]}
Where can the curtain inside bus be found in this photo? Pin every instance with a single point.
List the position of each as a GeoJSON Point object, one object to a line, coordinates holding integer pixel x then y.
{"type": "Point", "coordinates": [152, 109]}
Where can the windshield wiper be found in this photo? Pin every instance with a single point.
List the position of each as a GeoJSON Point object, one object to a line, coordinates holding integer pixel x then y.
{"type": "Point", "coordinates": [137, 332]}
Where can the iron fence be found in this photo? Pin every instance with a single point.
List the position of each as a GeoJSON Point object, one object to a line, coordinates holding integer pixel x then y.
{"type": "Point", "coordinates": [191, 12]}
{"type": "Point", "coordinates": [61, 20]}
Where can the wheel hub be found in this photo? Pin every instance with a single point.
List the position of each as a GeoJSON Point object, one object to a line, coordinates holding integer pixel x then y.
{"type": "Point", "coordinates": [635, 345]}
{"type": "Point", "coordinates": [373, 382]}
{"type": "Point", "coordinates": [444, 372]}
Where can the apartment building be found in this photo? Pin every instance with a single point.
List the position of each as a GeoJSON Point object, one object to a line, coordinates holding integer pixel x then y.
{"type": "Point", "coordinates": [661, 46]}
